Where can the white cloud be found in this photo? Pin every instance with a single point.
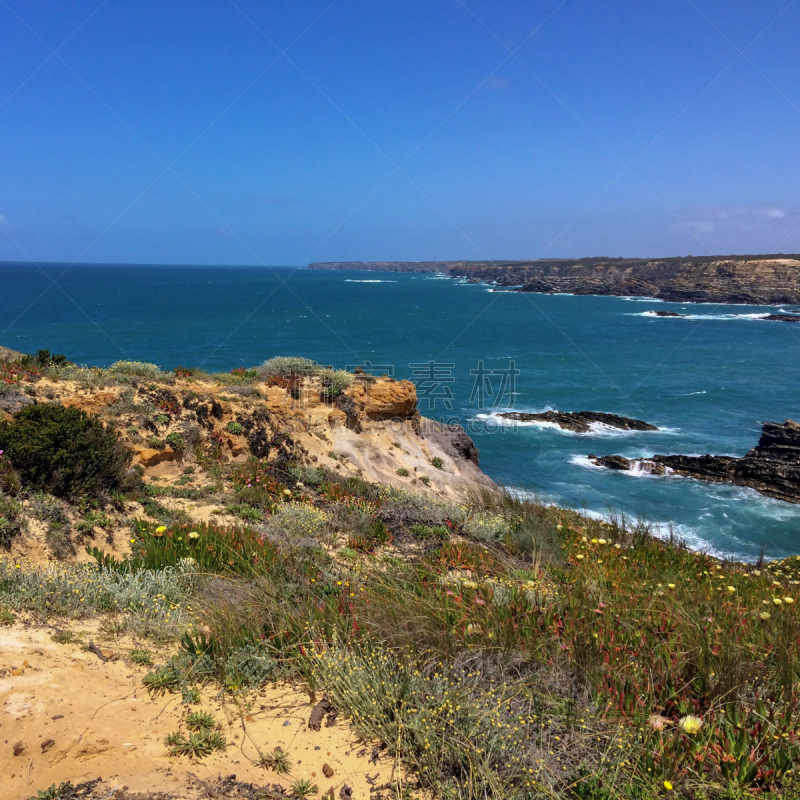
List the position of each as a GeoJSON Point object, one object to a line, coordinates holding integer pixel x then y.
{"type": "Point", "coordinates": [728, 219]}
{"type": "Point", "coordinates": [697, 227]}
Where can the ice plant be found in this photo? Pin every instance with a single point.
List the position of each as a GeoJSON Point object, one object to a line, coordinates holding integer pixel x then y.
{"type": "Point", "coordinates": [690, 724]}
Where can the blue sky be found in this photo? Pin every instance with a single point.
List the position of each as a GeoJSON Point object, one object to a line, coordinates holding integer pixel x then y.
{"type": "Point", "coordinates": [185, 132]}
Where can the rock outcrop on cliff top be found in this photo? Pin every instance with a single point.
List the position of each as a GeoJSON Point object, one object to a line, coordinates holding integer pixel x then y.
{"type": "Point", "coordinates": [772, 467]}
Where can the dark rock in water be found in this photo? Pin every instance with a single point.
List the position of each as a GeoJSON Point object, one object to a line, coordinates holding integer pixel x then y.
{"type": "Point", "coordinates": [621, 463]}
{"type": "Point", "coordinates": [782, 318]}
{"type": "Point", "coordinates": [580, 421]}
{"type": "Point", "coordinates": [669, 314]}
{"type": "Point", "coordinates": [613, 462]}
{"type": "Point", "coordinates": [772, 467]}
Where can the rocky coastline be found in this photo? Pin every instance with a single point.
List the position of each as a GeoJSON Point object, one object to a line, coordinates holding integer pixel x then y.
{"type": "Point", "coordinates": [772, 467]}
{"type": "Point", "coordinates": [579, 421]}
{"type": "Point", "coordinates": [756, 280]}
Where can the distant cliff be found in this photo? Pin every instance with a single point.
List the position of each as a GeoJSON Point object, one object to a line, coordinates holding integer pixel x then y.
{"type": "Point", "coordinates": [759, 279]}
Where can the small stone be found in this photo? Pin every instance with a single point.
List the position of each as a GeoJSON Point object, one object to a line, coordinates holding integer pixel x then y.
{"type": "Point", "coordinates": [47, 744]}
{"type": "Point", "coordinates": [327, 770]}
{"type": "Point", "coordinates": [57, 716]}
{"type": "Point", "coordinates": [19, 749]}
{"type": "Point", "coordinates": [17, 672]}
{"type": "Point", "coordinates": [286, 723]}
{"type": "Point", "coordinates": [346, 792]}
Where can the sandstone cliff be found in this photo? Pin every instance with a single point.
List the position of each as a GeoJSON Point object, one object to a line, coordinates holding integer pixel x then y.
{"type": "Point", "coordinates": [373, 429]}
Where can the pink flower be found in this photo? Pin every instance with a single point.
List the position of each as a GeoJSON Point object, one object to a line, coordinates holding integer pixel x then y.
{"type": "Point", "coordinates": [480, 601]}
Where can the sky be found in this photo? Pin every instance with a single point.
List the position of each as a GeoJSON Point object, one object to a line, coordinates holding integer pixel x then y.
{"type": "Point", "coordinates": [282, 133]}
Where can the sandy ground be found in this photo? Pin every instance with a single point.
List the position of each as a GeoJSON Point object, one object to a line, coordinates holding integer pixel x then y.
{"type": "Point", "coordinates": [67, 715]}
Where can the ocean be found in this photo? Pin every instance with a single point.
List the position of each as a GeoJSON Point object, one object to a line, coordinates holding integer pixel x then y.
{"type": "Point", "coordinates": [707, 381]}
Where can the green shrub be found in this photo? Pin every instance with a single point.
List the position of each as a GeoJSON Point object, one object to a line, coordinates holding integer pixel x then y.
{"type": "Point", "coordinates": [402, 472]}
{"type": "Point", "coordinates": [288, 365]}
{"type": "Point", "coordinates": [11, 521]}
{"type": "Point", "coordinates": [138, 369]}
{"type": "Point", "coordinates": [65, 451]}
{"type": "Point", "coordinates": [430, 532]}
{"type": "Point", "coordinates": [196, 744]}
{"type": "Point", "coordinates": [437, 462]}
{"type": "Point", "coordinates": [176, 442]}
{"type": "Point", "coordinates": [141, 656]}
{"type": "Point", "coordinates": [334, 382]}
{"type": "Point", "coordinates": [9, 477]}
{"type": "Point", "coordinates": [235, 428]}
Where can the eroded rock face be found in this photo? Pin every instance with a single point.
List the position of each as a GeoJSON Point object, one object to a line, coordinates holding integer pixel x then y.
{"type": "Point", "coordinates": [452, 439]}
{"type": "Point", "coordinates": [580, 421]}
{"type": "Point", "coordinates": [384, 398]}
{"type": "Point", "coordinates": [772, 467]}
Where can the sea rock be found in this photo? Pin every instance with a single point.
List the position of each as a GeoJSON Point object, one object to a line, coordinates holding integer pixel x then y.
{"type": "Point", "coordinates": [772, 467]}
{"type": "Point", "coordinates": [668, 314]}
{"type": "Point", "coordinates": [782, 318]}
{"type": "Point", "coordinates": [612, 462]}
{"type": "Point", "coordinates": [580, 421]}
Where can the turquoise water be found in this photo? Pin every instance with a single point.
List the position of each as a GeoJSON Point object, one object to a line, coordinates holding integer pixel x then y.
{"type": "Point", "coordinates": [709, 381]}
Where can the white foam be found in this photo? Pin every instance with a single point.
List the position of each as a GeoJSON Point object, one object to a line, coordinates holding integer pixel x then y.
{"type": "Point", "coordinates": [750, 316]}
{"type": "Point", "coordinates": [642, 299]}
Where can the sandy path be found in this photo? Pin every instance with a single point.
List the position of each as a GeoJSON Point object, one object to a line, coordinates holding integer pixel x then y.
{"type": "Point", "coordinates": [71, 716]}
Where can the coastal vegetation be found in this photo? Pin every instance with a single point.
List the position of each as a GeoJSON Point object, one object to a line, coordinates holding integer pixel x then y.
{"type": "Point", "coordinates": [496, 647]}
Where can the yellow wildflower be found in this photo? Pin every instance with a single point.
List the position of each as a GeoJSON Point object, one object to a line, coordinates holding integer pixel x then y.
{"type": "Point", "coordinates": [690, 723]}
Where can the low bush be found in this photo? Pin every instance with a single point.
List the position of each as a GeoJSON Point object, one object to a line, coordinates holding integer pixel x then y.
{"type": "Point", "coordinates": [139, 369]}
{"type": "Point", "coordinates": [334, 383]}
{"type": "Point", "coordinates": [12, 522]}
{"type": "Point", "coordinates": [288, 365]}
{"type": "Point", "coordinates": [154, 602]}
{"type": "Point", "coordinates": [64, 451]}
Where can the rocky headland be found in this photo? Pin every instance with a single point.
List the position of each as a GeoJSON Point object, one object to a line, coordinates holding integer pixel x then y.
{"type": "Point", "coordinates": [579, 421]}
{"type": "Point", "coordinates": [772, 467]}
{"type": "Point", "coordinates": [758, 280]}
